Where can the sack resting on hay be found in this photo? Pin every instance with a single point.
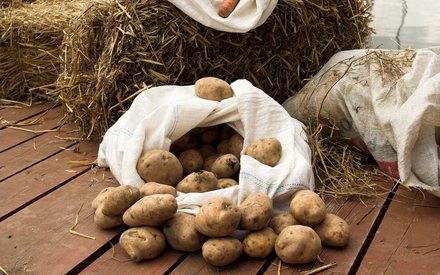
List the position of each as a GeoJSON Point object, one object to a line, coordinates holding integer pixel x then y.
{"type": "Point", "coordinates": [388, 103]}
{"type": "Point", "coordinates": [163, 114]}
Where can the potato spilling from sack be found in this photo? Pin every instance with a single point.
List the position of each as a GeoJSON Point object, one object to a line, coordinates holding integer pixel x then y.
{"type": "Point", "coordinates": [213, 88]}
{"type": "Point", "coordinates": [221, 251]}
{"type": "Point", "coordinates": [143, 243]}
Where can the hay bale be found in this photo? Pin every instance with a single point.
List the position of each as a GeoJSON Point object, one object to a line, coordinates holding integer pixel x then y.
{"type": "Point", "coordinates": [31, 36]}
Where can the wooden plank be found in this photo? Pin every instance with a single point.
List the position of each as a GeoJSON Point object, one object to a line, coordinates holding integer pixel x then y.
{"type": "Point", "coordinates": [116, 261]}
{"type": "Point", "coordinates": [39, 179]}
{"type": "Point", "coordinates": [408, 239]}
{"type": "Point", "coordinates": [12, 115]}
{"type": "Point", "coordinates": [37, 239]}
{"type": "Point", "coordinates": [10, 137]}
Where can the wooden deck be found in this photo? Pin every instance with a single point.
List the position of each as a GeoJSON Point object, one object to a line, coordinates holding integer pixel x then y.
{"type": "Point", "coordinates": [42, 195]}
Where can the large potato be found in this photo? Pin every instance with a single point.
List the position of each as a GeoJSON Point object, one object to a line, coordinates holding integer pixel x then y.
{"type": "Point", "coordinates": [265, 150]}
{"type": "Point", "coordinates": [198, 182]}
{"type": "Point", "coordinates": [307, 207]}
{"type": "Point", "coordinates": [119, 199]}
{"type": "Point", "coordinates": [333, 231]}
{"type": "Point", "coordinates": [213, 88]}
{"type": "Point", "coordinates": [160, 166]}
{"type": "Point", "coordinates": [218, 217]}
{"type": "Point", "coordinates": [100, 197]}
{"type": "Point", "coordinates": [281, 221]}
{"type": "Point", "coordinates": [191, 160]}
{"type": "Point", "coordinates": [221, 251]}
{"type": "Point", "coordinates": [226, 166]}
{"type": "Point", "coordinates": [236, 145]}
{"type": "Point", "coordinates": [297, 244]}
{"type": "Point", "coordinates": [107, 222]}
{"type": "Point", "coordinates": [151, 210]}
{"type": "Point", "coordinates": [181, 232]}
{"type": "Point", "coordinates": [151, 188]}
{"type": "Point", "coordinates": [256, 211]}
{"type": "Point", "coordinates": [259, 243]}
{"type": "Point", "coordinates": [143, 242]}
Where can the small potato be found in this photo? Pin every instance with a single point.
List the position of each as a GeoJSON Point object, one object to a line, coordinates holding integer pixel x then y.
{"type": "Point", "coordinates": [223, 147]}
{"type": "Point", "coordinates": [218, 217]}
{"type": "Point", "coordinates": [143, 243]}
{"type": "Point", "coordinates": [185, 142]}
{"type": "Point", "coordinates": [221, 251]}
{"type": "Point", "coordinates": [207, 150]}
{"type": "Point", "coordinates": [333, 231]}
{"type": "Point", "coordinates": [198, 182]}
{"type": "Point", "coordinates": [191, 160]}
{"type": "Point", "coordinates": [259, 243]}
{"type": "Point", "coordinates": [307, 207]}
{"type": "Point", "coordinates": [181, 233]}
{"type": "Point", "coordinates": [297, 244]}
{"type": "Point", "coordinates": [213, 88]}
{"type": "Point", "coordinates": [151, 210]}
{"type": "Point", "coordinates": [210, 136]}
{"type": "Point", "coordinates": [225, 183]}
{"type": "Point", "coordinates": [151, 188]}
{"type": "Point", "coordinates": [98, 199]}
{"type": "Point", "coordinates": [226, 166]}
{"type": "Point", "coordinates": [281, 221]}
{"type": "Point", "coordinates": [265, 150]}
{"type": "Point", "coordinates": [107, 222]}
{"type": "Point", "coordinates": [160, 166]}
{"type": "Point", "coordinates": [119, 199]}
{"type": "Point", "coordinates": [236, 145]}
{"type": "Point", "coordinates": [256, 211]}
{"type": "Point", "coordinates": [209, 161]}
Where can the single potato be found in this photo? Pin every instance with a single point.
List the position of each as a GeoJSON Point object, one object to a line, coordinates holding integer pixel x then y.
{"type": "Point", "coordinates": [260, 243]}
{"type": "Point", "coordinates": [225, 183]}
{"type": "Point", "coordinates": [213, 88]}
{"type": "Point", "coordinates": [221, 251]}
{"type": "Point", "coordinates": [307, 207]}
{"type": "Point", "coordinates": [265, 150]}
{"type": "Point", "coordinates": [119, 199]}
{"type": "Point", "coordinates": [198, 182]}
{"type": "Point", "coordinates": [99, 198]}
{"type": "Point", "coordinates": [151, 188]}
{"type": "Point", "coordinates": [226, 166]}
{"type": "Point", "coordinates": [107, 222]}
{"type": "Point", "coordinates": [333, 231]}
{"type": "Point", "coordinates": [191, 160]}
{"type": "Point", "coordinates": [236, 145]}
{"type": "Point", "coordinates": [281, 221]}
{"type": "Point", "coordinates": [151, 210]}
{"type": "Point", "coordinates": [143, 243]}
{"type": "Point", "coordinates": [256, 211]}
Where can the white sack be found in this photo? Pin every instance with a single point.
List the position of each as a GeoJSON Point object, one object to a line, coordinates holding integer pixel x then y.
{"type": "Point", "coordinates": [247, 15]}
{"type": "Point", "coordinates": [391, 109]}
{"type": "Point", "coordinates": [163, 114]}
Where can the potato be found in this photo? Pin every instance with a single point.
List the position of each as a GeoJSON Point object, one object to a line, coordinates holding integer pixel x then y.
{"type": "Point", "coordinates": [281, 221]}
{"type": "Point", "coordinates": [221, 251]}
{"type": "Point", "coordinates": [210, 136]}
{"type": "Point", "coordinates": [333, 231]}
{"type": "Point", "coordinates": [185, 142]}
{"type": "Point", "coordinates": [218, 217]}
{"type": "Point", "coordinates": [198, 182]}
{"type": "Point", "coordinates": [181, 233]}
{"type": "Point", "coordinates": [98, 199]}
{"type": "Point", "coordinates": [256, 211]}
{"type": "Point", "coordinates": [151, 188]}
{"type": "Point", "coordinates": [225, 183]}
{"type": "Point", "coordinates": [191, 160]}
{"type": "Point", "coordinates": [143, 242]}
{"type": "Point", "coordinates": [297, 244]}
{"type": "Point", "coordinates": [213, 88]}
{"type": "Point", "coordinates": [226, 166]}
{"type": "Point", "coordinates": [151, 210]}
{"type": "Point", "coordinates": [160, 166]}
{"type": "Point", "coordinates": [119, 199]}
{"type": "Point", "coordinates": [207, 164]}
{"type": "Point", "coordinates": [107, 222]}
{"type": "Point", "coordinates": [259, 243]}
{"type": "Point", "coordinates": [265, 150]}
{"type": "Point", "coordinates": [207, 150]}
{"type": "Point", "coordinates": [225, 132]}
{"type": "Point", "coordinates": [307, 207]}
{"type": "Point", "coordinates": [236, 145]}
{"type": "Point", "coordinates": [223, 147]}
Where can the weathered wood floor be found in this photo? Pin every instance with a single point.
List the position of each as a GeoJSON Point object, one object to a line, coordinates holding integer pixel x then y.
{"type": "Point", "coordinates": [41, 195]}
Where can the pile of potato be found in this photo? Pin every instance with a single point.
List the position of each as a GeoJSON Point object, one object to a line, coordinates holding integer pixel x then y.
{"type": "Point", "coordinates": [206, 159]}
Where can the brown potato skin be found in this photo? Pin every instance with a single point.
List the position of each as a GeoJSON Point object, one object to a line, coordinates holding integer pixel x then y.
{"type": "Point", "coordinates": [143, 243]}
{"type": "Point", "coordinates": [256, 211]}
{"type": "Point", "coordinates": [236, 144]}
{"type": "Point", "coordinates": [213, 88]}
{"type": "Point", "coordinates": [223, 147]}
{"type": "Point", "coordinates": [151, 210]}
{"type": "Point", "coordinates": [297, 244]}
{"type": "Point", "coordinates": [160, 166]}
{"type": "Point", "coordinates": [119, 199]}
{"type": "Point", "coordinates": [218, 217]}
{"type": "Point", "coordinates": [225, 183]}
{"type": "Point", "coordinates": [265, 150]}
{"type": "Point", "coordinates": [260, 243]}
{"type": "Point", "coordinates": [191, 160]}
{"type": "Point", "coordinates": [207, 150]}
{"type": "Point", "coordinates": [100, 197]}
{"type": "Point", "coordinates": [333, 231]}
{"type": "Point", "coordinates": [181, 233]}
{"type": "Point", "coordinates": [185, 142]}
{"type": "Point", "coordinates": [151, 188]}
{"type": "Point", "coordinates": [210, 136]}
{"type": "Point", "coordinates": [281, 221]}
{"type": "Point", "coordinates": [198, 182]}
{"type": "Point", "coordinates": [106, 222]}
{"type": "Point", "coordinates": [226, 166]}
{"type": "Point", "coordinates": [209, 161]}
{"type": "Point", "coordinates": [307, 207]}
{"type": "Point", "coordinates": [221, 251]}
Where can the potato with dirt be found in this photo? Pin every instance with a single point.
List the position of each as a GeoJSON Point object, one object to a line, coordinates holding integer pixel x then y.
{"type": "Point", "coordinates": [181, 233]}
{"type": "Point", "coordinates": [143, 243]}
{"type": "Point", "coordinates": [226, 183]}
{"type": "Point", "coordinates": [259, 244]}
{"type": "Point", "coordinates": [213, 88]}
{"type": "Point", "coordinates": [119, 199]}
{"type": "Point", "coordinates": [218, 217]}
{"type": "Point", "coordinates": [160, 166]}
{"type": "Point", "coordinates": [151, 188]}
{"type": "Point", "coordinates": [333, 231]}
{"type": "Point", "coordinates": [282, 220]}
{"type": "Point", "coordinates": [106, 222]}
{"type": "Point", "coordinates": [221, 251]}
{"type": "Point", "coordinates": [307, 207]}
{"type": "Point", "coordinates": [265, 150]}
{"type": "Point", "coordinates": [256, 211]}
{"type": "Point", "coordinates": [100, 197]}
{"type": "Point", "coordinates": [152, 210]}
{"type": "Point", "coordinates": [236, 145]}
{"type": "Point", "coordinates": [297, 244]}
{"type": "Point", "coordinates": [198, 182]}
{"type": "Point", "coordinates": [226, 166]}
{"type": "Point", "coordinates": [191, 160]}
